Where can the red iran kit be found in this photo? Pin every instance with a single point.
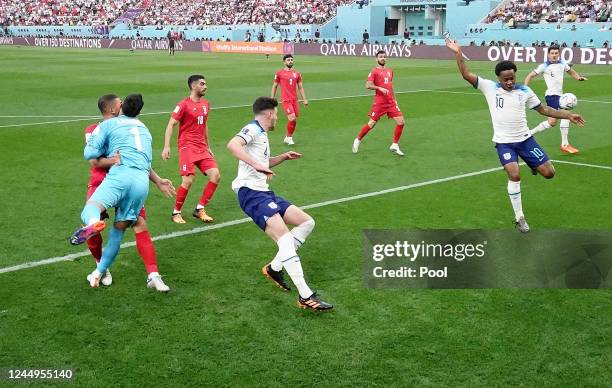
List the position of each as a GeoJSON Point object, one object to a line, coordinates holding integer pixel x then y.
{"type": "Point", "coordinates": [288, 80]}
{"type": "Point", "coordinates": [192, 140]}
{"type": "Point", "coordinates": [383, 104]}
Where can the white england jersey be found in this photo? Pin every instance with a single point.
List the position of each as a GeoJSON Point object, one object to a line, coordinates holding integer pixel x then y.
{"type": "Point", "coordinates": [258, 148]}
{"type": "Point", "coordinates": [553, 76]}
{"type": "Point", "coordinates": [507, 110]}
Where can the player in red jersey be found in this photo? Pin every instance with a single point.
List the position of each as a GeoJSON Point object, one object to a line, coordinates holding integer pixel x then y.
{"type": "Point", "coordinates": [289, 80]}
{"type": "Point", "coordinates": [193, 149]}
{"type": "Point", "coordinates": [110, 106]}
{"type": "Point", "coordinates": [381, 80]}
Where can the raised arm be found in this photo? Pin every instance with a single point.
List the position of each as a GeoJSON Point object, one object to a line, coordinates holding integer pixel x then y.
{"type": "Point", "coordinates": [168, 137]}
{"type": "Point", "coordinates": [463, 69]}
{"type": "Point", "coordinates": [529, 77]}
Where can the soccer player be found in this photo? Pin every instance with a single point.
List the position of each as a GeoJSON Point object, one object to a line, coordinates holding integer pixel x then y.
{"type": "Point", "coordinates": [125, 187]}
{"type": "Point", "coordinates": [193, 148]}
{"type": "Point", "coordinates": [554, 69]}
{"type": "Point", "coordinates": [289, 80]}
{"type": "Point", "coordinates": [110, 106]}
{"type": "Point", "coordinates": [171, 39]}
{"type": "Point", "coordinates": [381, 80]}
{"type": "Point", "coordinates": [270, 212]}
{"type": "Point", "coordinates": [507, 101]}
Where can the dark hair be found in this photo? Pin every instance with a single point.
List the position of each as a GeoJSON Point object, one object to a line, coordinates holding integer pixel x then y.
{"type": "Point", "coordinates": [105, 101]}
{"type": "Point", "coordinates": [287, 56]}
{"type": "Point", "coordinates": [554, 46]}
{"type": "Point", "coordinates": [263, 104]}
{"type": "Point", "coordinates": [503, 66]}
{"type": "Point", "coordinates": [194, 78]}
{"type": "Point", "coordinates": [380, 52]}
{"type": "Point", "coordinates": [132, 105]}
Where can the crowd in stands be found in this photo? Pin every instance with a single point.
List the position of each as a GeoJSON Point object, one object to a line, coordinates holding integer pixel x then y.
{"type": "Point", "coordinates": [507, 43]}
{"type": "Point", "coordinates": [62, 12]}
{"type": "Point", "coordinates": [552, 11]}
{"type": "Point", "coordinates": [227, 12]}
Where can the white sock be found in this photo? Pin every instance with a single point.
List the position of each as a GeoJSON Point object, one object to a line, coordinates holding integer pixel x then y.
{"type": "Point", "coordinates": [198, 207]}
{"type": "Point", "coordinates": [514, 192]}
{"type": "Point", "coordinates": [301, 232]}
{"type": "Point", "coordinates": [291, 263]}
{"type": "Point", "coordinates": [564, 127]}
{"type": "Point", "coordinates": [544, 125]}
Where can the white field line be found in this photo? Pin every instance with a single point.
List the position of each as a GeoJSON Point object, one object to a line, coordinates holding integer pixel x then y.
{"type": "Point", "coordinates": [86, 118]}
{"type": "Point", "coordinates": [73, 256]}
{"type": "Point", "coordinates": [583, 164]}
{"type": "Point", "coordinates": [77, 255]}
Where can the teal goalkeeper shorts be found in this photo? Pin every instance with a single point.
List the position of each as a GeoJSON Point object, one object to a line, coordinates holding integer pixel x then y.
{"type": "Point", "coordinates": [124, 188]}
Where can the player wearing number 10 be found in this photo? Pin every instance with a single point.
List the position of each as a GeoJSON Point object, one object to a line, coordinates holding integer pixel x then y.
{"type": "Point", "coordinates": [507, 101]}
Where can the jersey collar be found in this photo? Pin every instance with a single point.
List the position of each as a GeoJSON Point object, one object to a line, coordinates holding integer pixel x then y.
{"type": "Point", "coordinates": [259, 125]}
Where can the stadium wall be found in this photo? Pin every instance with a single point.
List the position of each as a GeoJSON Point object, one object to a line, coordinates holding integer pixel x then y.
{"type": "Point", "coordinates": [594, 56]}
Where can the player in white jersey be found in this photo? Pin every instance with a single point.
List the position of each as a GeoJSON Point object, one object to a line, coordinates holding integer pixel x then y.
{"type": "Point", "coordinates": [507, 102]}
{"type": "Point", "coordinates": [553, 70]}
{"type": "Point", "coordinates": [270, 212]}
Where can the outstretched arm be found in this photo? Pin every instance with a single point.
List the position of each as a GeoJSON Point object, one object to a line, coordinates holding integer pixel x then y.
{"type": "Point", "coordinates": [290, 155]}
{"type": "Point", "coordinates": [463, 69]}
{"type": "Point", "coordinates": [164, 185]}
{"type": "Point", "coordinates": [576, 76]}
{"type": "Point", "coordinates": [560, 114]}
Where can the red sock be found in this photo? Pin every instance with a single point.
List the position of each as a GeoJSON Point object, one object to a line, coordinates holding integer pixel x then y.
{"type": "Point", "coordinates": [95, 247]}
{"type": "Point", "coordinates": [181, 194]}
{"type": "Point", "coordinates": [364, 131]}
{"type": "Point", "coordinates": [399, 128]}
{"type": "Point", "coordinates": [146, 250]}
{"type": "Point", "coordinates": [209, 190]}
{"type": "Point", "coordinates": [291, 127]}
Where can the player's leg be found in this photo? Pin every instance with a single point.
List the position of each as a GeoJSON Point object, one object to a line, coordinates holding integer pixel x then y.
{"type": "Point", "coordinates": [131, 201]}
{"type": "Point", "coordinates": [508, 156]}
{"type": "Point", "coordinates": [304, 224]}
{"type": "Point", "coordinates": [208, 167]}
{"type": "Point", "coordinates": [95, 242]}
{"type": "Point", "coordinates": [146, 250]}
{"type": "Point", "coordinates": [109, 253]}
{"type": "Point", "coordinates": [398, 117]}
{"type": "Point", "coordinates": [187, 172]}
{"type": "Point", "coordinates": [375, 115]}
{"type": "Point", "coordinates": [534, 156]}
{"type": "Point", "coordinates": [104, 197]}
{"type": "Point", "coordinates": [566, 147]}
{"type": "Point", "coordinates": [290, 110]}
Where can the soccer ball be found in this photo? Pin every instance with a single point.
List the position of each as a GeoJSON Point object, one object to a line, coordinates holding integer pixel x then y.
{"type": "Point", "coordinates": [568, 101]}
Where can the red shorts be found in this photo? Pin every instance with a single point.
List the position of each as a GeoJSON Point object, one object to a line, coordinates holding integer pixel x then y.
{"type": "Point", "coordinates": [291, 108]}
{"type": "Point", "coordinates": [378, 110]}
{"type": "Point", "coordinates": [92, 188]}
{"type": "Point", "coordinates": [189, 159]}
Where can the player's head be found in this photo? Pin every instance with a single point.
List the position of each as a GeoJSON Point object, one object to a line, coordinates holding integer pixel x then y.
{"type": "Point", "coordinates": [265, 109]}
{"type": "Point", "coordinates": [132, 105]}
{"type": "Point", "coordinates": [506, 74]}
{"type": "Point", "coordinates": [288, 60]}
{"type": "Point", "coordinates": [554, 51]}
{"type": "Point", "coordinates": [109, 105]}
{"type": "Point", "coordinates": [381, 57]}
{"type": "Point", "coordinates": [197, 84]}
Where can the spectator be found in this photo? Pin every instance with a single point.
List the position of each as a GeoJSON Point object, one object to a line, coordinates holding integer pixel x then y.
{"type": "Point", "coordinates": [406, 34]}
{"type": "Point", "coordinates": [366, 37]}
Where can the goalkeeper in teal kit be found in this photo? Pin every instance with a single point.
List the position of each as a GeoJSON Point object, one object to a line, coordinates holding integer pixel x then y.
{"type": "Point", "coordinates": [127, 184]}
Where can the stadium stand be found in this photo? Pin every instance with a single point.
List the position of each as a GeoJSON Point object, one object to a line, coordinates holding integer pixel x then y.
{"type": "Point", "coordinates": [228, 12]}
{"type": "Point", "coordinates": [62, 13]}
{"type": "Point", "coordinates": [549, 11]}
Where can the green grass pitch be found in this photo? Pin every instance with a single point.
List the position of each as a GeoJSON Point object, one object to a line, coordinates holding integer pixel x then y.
{"type": "Point", "coordinates": [223, 324]}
